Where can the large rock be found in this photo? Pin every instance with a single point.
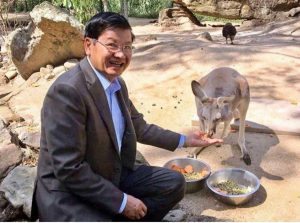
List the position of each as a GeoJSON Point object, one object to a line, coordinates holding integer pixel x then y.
{"type": "Point", "coordinates": [7, 116]}
{"type": "Point", "coordinates": [5, 137]}
{"type": "Point", "coordinates": [53, 37]}
{"type": "Point", "coordinates": [293, 12]}
{"type": "Point", "coordinates": [29, 136]}
{"type": "Point", "coordinates": [241, 9]}
{"type": "Point", "coordinates": [2, 125]}
{"type": "Point", "coordinates": [10, 156]}
{"type": "Point", "coordinates": [18, 187]}
{"type": "Point", "coordinates": [176, 215]}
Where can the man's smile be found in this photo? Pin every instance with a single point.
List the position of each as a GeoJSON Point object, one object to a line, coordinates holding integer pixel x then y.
{"type": "Point", "coordinates": [115, 63]}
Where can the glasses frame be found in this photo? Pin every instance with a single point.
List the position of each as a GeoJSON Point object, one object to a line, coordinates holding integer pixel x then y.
{"type": "Point", "coordinates": [118, 49]}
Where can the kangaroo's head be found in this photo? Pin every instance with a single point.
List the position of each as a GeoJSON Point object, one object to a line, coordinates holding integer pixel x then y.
{"type": "Point", "coordinates": [211, 111]}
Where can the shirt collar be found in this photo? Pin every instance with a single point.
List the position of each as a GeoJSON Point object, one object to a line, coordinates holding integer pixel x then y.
{"type": "Point", "coordinates": [111, 87]}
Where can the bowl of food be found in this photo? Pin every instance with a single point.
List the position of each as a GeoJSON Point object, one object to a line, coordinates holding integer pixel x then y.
{"type": "Point", "coordinates": [194, 171]}
{"type": "Point", "coordinates": [233, 186]}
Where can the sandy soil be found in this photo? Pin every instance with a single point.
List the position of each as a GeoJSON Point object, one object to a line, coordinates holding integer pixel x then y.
{"type": "Point", "coordinates": [165, 62]}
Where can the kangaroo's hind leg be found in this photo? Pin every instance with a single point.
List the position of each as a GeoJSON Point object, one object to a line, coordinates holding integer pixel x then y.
{"type": "Point", "coordinates": [243, 107]}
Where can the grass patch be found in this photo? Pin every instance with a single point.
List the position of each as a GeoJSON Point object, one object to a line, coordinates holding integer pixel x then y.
{"type": "Point", "coordinates": [206, 18]}
{"type": "Point", "coordinates": [146, 16]}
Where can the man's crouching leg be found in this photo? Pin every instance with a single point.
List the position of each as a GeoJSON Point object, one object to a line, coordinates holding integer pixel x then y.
{"type": "Point", "coordinates": [159, 188]}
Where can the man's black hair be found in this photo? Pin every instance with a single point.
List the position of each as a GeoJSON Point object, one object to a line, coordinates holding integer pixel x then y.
{"type": "Point", "coordinates": [103, 21]}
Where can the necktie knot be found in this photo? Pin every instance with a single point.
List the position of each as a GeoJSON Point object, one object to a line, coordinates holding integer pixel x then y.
{"type": "Point", "coordinates": [113, 87]}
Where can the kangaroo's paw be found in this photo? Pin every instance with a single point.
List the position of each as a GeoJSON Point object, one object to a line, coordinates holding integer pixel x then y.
{"type": "Point", "coordinates": [192, 155]}
{"type": "Point", "coordinates": [247, 159]}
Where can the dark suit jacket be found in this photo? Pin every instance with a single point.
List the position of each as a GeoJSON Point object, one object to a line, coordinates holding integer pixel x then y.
{"type": "Point", "coordinates": [79, 164]}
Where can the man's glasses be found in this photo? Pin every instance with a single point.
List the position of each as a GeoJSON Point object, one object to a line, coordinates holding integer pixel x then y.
{"type": "Point", "coordinates": [114, 48]}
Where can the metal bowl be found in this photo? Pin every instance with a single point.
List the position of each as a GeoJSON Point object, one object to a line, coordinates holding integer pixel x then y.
{"type": "Point", "coordinates": [241, 177]}
{"type": "Point", "coordinates": [191, 185]}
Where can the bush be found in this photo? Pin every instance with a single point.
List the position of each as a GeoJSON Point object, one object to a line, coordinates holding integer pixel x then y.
{"type": "Point", "coordinates": [147, 8]}
{"type": "Point", "coordinates": [26, 5]}
{"type": "Point", "coordinates": [84, 10]}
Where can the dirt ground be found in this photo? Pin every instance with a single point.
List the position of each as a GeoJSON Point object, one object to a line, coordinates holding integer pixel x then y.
{"type": "Point", "coordinates": [165, 62]}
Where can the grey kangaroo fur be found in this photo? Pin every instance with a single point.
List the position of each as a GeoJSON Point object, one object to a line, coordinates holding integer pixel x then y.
{"type": "Point", "coordinates": [220, 96]}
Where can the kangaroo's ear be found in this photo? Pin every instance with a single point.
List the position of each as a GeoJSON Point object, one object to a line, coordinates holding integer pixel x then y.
{"type": "Point", "coordinates": [197, 90]}
{"type": "Point", "coordinates": [199, 93]}
{"type": "Point", "coordinates": [221, 101]}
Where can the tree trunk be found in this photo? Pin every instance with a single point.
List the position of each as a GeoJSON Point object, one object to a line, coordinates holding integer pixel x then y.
{"type": "Point", "coordinates": [105, 5]}
{"type": "Point", "coordinates": [124, 8]}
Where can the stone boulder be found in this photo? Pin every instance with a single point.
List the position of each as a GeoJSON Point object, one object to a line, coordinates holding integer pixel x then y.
{"type": "Point", "coordinates": [242, 9]}
{"type": "Point", "coordinates": [205, 36]}
{"type": "Point", "coordinates": [27, 135]}
{"type": "Point", "coordinates": [18, 187]}
{"type": "Point", "coordinates": [53, 37]}
{"type": "Point", "coordinates": [10, 156]}
{"type": "Point", "coordinates": [5, 137]}
{"type": "Point", "coordinates": [293, 12]}
{"type": "Point", "coordinates": [176, 215]}
{"type": "Point", "coordinates": [6, 115]}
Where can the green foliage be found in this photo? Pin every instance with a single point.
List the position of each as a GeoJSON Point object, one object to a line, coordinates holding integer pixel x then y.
{"type": "Point", "coordinates": [83, 10]}
{"type": "Point", "coordinates": [20, 7]}
{"type": "Point", "coordinates": [114, 5]}
{"type": "Point", "coordinates": [26, 5]}
{"type": "Point", "coordinates": [147, 8]}
{"type": "Point", "coordinates": [141, 8]}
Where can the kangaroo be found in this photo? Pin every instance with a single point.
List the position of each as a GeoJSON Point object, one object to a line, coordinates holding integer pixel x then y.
{"type": "Point", "coordinates": [220, 96]}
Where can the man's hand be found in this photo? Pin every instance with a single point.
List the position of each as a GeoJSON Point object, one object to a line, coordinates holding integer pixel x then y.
{"type": "Point", "coordinates": [199, 139]}
{"type": "Point", "coordinates": [135, 209]}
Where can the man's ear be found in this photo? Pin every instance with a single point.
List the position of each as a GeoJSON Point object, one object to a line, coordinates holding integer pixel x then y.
{"type": "Point", "coordinates": [87, 43]}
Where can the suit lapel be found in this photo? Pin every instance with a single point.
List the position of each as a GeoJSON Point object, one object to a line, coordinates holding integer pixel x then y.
{"type": "Point", "coordinates": [128, 151]}
{"type": "Point", "coordinates": [128, 123]}
{"type": "Point", "coordinates": [98, 94]}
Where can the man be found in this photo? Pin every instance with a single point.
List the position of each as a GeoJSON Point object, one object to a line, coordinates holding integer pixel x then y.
{"type": "Point", "coordinates": [90, 127]}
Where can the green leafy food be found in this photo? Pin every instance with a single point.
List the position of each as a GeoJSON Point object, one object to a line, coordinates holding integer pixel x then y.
{"type": "Point", "coordinates": [231, 187]}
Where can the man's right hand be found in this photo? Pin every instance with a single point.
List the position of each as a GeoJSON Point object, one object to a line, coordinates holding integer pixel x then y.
{"type": "Point", "coordinates": [199, 139]}
{"type": "Point", "coordinates": [135, 209]}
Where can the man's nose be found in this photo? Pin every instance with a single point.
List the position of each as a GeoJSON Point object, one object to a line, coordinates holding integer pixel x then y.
{"type": "Point", "coordinates": [120, 54]}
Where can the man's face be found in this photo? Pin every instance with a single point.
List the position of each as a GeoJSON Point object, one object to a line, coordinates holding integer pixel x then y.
{"type": "Point", "coordinates": [109, 54]}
